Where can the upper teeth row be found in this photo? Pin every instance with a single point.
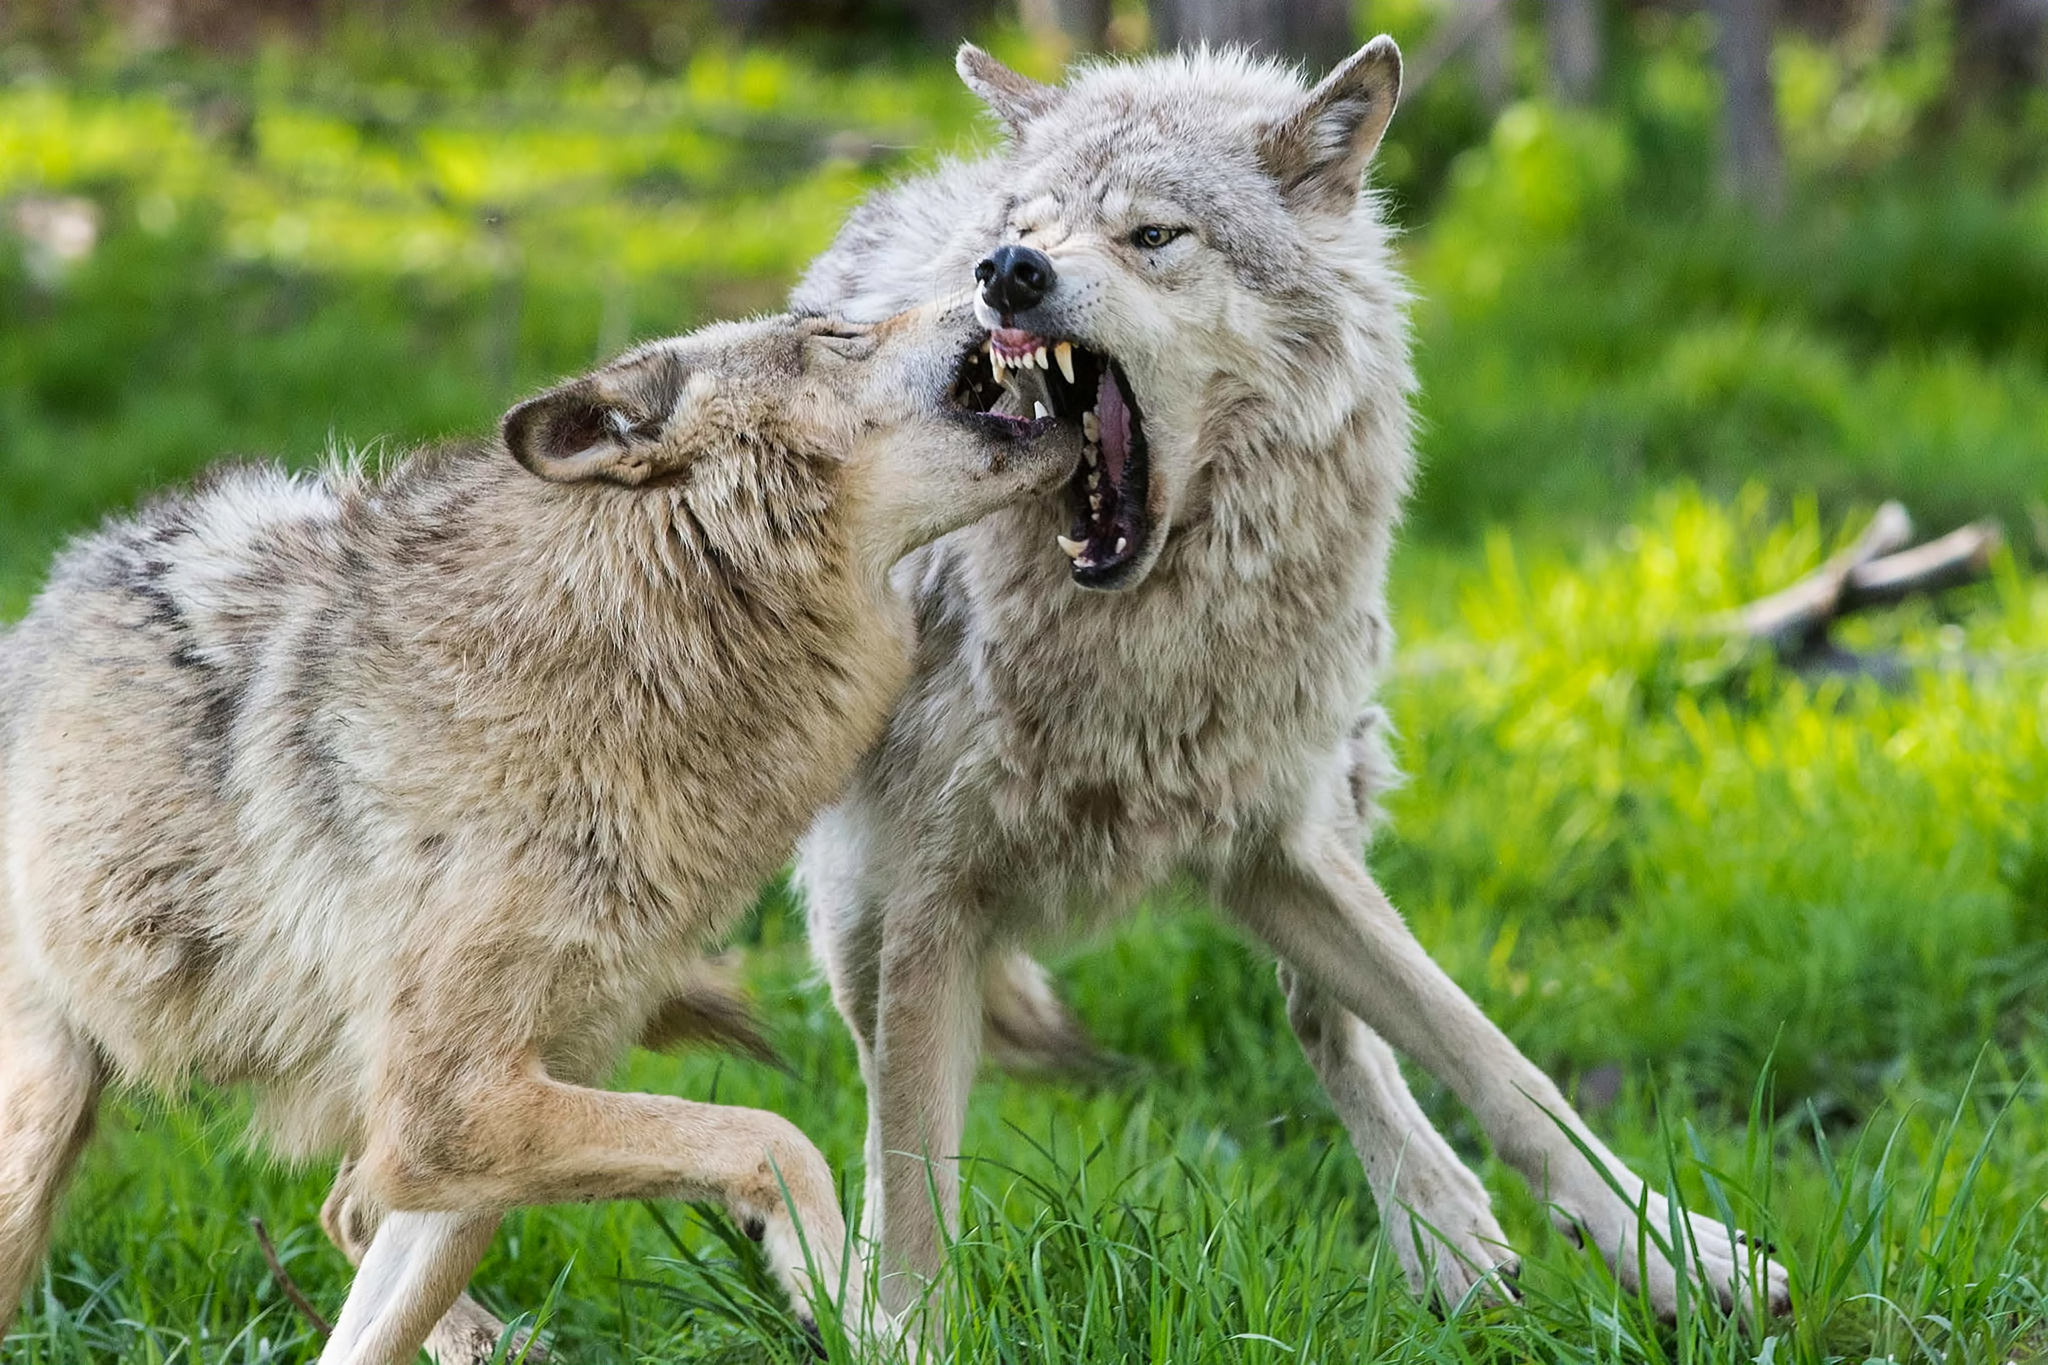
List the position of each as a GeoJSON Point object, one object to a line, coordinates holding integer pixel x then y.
{"type": "Point", "coordinates": [1062, 352]}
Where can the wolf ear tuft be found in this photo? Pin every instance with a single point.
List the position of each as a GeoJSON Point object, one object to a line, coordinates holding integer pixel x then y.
{"type": "Point", "coordinates": [1319, 152]}
{"type": "Point", "coordinates": [610, 427]}
{"type": "Point", "coordinates": [1016, 99]}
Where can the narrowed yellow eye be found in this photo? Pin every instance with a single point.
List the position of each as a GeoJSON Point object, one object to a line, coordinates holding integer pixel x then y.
{"type": "Point", "coordinates": [1152, 236]}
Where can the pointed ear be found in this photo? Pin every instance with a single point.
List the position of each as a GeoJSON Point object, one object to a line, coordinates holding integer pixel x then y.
{"type": "Point", "coordinates": [1016, 99]}
{"type": "Point", "coordinates": [1318, 153]}
{"type": "Point", "coordinates": [614, 426]}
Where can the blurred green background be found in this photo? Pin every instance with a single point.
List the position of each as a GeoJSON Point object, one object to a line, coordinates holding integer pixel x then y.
{"type": "Point", "coordinates": [1699, 285]}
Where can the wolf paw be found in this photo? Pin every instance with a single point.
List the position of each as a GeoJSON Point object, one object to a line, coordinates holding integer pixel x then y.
{"type": "Point", "coordinates": [1448, 1242]}
{"type": "Point", "coordinates": [468, 1334]}
{"type": "Point", "coordinates": [1735, 1268]}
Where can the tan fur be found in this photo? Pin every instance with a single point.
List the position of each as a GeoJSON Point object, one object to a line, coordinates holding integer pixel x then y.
{"type": "Point", "coordinates": [411, 800]}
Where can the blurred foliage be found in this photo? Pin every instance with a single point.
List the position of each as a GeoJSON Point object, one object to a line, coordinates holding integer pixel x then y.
{"type": "Point", "coordinates": [390, 237]}
{"type": "Point", "coordinates": [1656, 858]}
{"type": "Point", "coordinates": [1701, 859]}
{"type": "Point", "coordinates": [1596, 323]}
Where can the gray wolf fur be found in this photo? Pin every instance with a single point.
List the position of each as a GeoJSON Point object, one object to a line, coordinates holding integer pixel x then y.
{"type": "Point", "coordinates": [1197, 220]}
{"type": "Point", "coordinates": [411, 800]}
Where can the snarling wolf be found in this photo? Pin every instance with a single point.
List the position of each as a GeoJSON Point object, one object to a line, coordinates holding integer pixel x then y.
{"type": "Point", "coordinates": [1167, 667]}
{"type": "Point", "coordinates": [411, 799]}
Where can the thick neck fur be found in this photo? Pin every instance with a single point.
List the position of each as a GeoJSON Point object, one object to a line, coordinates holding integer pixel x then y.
{"type": "Point", "coordinates": [622, 664]}
{"type": "Point", "coordinates": [1203, 699]}
{"type": "Point", "coordinates": [1136, 731]}
{"type": "Point", "coordinates": [653, 650]}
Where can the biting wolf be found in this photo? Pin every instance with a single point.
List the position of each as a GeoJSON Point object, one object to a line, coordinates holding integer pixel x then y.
{"type": "Point", "coordinates": [1166, 668]}
{"type": "Point", "coordinates": [410, 799]}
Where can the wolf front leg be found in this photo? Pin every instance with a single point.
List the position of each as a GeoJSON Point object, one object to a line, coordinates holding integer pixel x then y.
{"type": "Point", "coordinates": [457, 1138]}
{"type": "Point", "coordinates": [50, 1080]}
{"type": "Point", "coordinates": [1437, 1215]}
{"type": "Point", "coordinates": [415, 1267]}
{"type": "Point", "coordinates": [927, 1042]}
{"type": "Point", "coordinates": [1310, 897]}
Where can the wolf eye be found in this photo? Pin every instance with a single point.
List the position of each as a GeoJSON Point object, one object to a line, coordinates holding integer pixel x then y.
{"type": "Point", "coordinates": [1152, 236]}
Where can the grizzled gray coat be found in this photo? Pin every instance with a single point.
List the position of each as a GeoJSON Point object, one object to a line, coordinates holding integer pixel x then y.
{"type": "Point", "coordinates": [1195, 218]}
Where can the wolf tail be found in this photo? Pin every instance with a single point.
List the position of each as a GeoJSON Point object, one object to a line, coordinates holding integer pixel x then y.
{"type": "Point", "coordinates": [713, 1011]}
{"type": "Point", "coordinates": [1026, 1027]}
{"type": "Point", "coordinates": [1373, 770]}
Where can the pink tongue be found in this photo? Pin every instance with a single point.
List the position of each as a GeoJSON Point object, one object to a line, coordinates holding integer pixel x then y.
{"type": "Point", "coordinates": [1113, 420]}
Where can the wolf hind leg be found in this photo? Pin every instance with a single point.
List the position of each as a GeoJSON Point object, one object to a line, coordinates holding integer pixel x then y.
{"type": "Point", "coordinates": [468, 1333]}
{"type": "Point", "coordinates": [50, 1081]}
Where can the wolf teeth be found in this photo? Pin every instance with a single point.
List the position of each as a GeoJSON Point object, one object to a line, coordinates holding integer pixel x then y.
{"type": "Point", "coordinates": [1095, 502]}
{"type": "Point", "coordinates": [1038, 410]}
{"type": "Point", "coordinates": [995, 362]}
{"type": "Point", "coordinates": [1091, 455]}
{"type": "Point", "coordinates": [1064, 354]}
{"type": "Point", "coordinates": [1121, 543]}
{"type": "Point", "coordinates": [1040, 358]}
{"type": "Point", "coordinates": [1072, 549]}
{"type": "Point", "coordinates": [1090, 426]}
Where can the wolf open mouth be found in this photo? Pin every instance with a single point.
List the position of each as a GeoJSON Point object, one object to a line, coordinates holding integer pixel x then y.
{"type": "Point", "coordinates": [1107, 495]}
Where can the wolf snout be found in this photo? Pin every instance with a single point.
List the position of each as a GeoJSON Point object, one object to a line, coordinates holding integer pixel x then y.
{"type": "Point", "coordinates": [1014, 278]}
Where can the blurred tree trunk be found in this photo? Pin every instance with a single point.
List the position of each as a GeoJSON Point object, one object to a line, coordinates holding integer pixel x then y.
{"type": "Point", "coordinates": [1752, 162]}
{"type": "Point", "coordinates": [1083, 25]}
{"type": "Point", "coordinates": [2001, 47]}
{"type": "Point", "coordinates": [947, 22]}
{"type": "Point", "coordinates": [1317, 32]}
{"type": "Point", "coordinates": [1571, 32]}
{"type": "Point", "coordinates": [1493, 53]}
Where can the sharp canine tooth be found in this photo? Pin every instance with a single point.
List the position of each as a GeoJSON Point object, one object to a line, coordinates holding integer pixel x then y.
{"type": "Point", "coordinates": [1038, 409]}
{"type": "Point", "coordinates": [1120, 544]}
{"type": "Point", "coordinates": [995, 362]}
{"type": "Point", "coordinates": [1064, 354]}
{"type": "Point", "coordinates": [1073, 549]}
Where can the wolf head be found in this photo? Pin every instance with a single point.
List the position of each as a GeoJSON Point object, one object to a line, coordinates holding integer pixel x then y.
{"type": "Point", "coordinates": [766, 405]}
{"type": "Point", "coordinates": [1183, 241]}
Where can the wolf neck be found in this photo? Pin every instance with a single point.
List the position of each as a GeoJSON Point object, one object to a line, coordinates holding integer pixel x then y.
{"type": "Point", "coordinates": [642, 663]}
{"type": "Point", "coordinates": [1205, 696]}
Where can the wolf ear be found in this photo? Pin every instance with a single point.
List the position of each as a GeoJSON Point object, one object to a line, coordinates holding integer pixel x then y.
{"type": "Point", "coordinates": [1318, 153]}
{"type": "Point", "coordinates": [612, 426]}
{"type": "Point", "coordinates": [1016, 99]}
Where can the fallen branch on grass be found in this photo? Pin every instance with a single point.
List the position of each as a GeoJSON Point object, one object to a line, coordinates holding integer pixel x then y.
{"type": "Point", "coordinates": [1875, 571]}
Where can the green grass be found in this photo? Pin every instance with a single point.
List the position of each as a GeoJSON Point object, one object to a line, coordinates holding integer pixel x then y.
{"type": "Point", "coordinates": [1786, 938]}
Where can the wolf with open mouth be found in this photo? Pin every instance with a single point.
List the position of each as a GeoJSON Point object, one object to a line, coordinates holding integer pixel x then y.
{"type": "Point", "coordinates": [1166, 669]}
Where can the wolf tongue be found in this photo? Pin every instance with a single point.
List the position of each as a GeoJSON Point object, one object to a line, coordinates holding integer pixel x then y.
{"type": "Point", "coordinates": [1113, 417]}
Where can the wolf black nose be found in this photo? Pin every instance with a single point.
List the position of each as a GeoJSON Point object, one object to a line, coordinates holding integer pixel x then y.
{"type": "Point", "coordinates": [1014, 278]}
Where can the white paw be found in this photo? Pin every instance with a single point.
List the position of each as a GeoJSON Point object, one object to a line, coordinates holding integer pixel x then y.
{"type": "Point", "coordinates": [1443, 1231]}
{"type": "Point", "coordinates": [468, 1333]}
{"type": "Point", "coordinates": [1646, 1256]}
